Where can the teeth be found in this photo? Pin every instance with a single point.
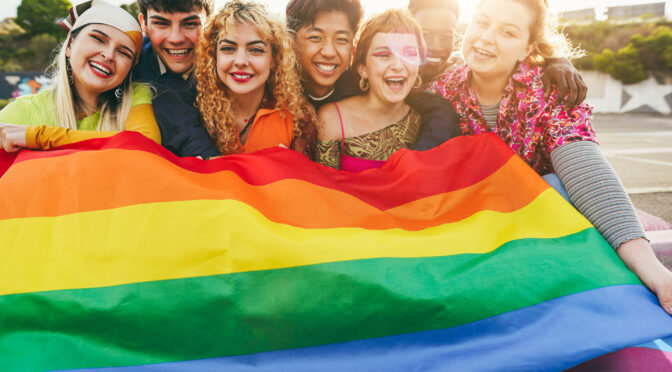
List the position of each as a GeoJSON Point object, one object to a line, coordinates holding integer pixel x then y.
{"type": "Point", "coordinates": [395, 80]}
{"type": "Point", "coordinates": [238, 76]}
{"type": "Point", "coordinates": [177, 52]}
{"type": "Point", "coordinates": [325, 67]}
{"type": "Point", "coordinates": [483, 51]}
{"type": "Point", "coordinates": [100, 68]}
{"type": "Point", "coordinates": [434, 59]}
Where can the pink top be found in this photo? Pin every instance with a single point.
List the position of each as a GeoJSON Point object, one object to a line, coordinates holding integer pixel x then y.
{"type": "Point", "coordinates": [530, 124]}
{"type": "Point", "coordinates": [351, 163]}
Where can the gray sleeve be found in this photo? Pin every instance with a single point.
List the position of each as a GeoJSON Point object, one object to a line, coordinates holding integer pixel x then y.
{"type": "Point", "coordinates": [595, 190]}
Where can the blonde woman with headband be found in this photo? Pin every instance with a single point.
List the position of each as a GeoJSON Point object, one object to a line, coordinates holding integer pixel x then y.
{"type": "Point", "coordinates": [500, 90]}
{"type": "Point", "coordinates": [249, 92]}
{"type": "Point", "coordinates": [91, 95]}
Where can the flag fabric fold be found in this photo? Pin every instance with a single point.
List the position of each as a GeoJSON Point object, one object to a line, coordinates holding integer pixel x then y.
{"type": "Point", "coordinates": [115, 254]}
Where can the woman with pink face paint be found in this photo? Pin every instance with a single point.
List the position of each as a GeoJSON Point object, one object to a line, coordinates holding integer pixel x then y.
{"type": "Point", "coordinates": [91, 95]}
{"type": "Point", "coordinates": [500, 90]}
{"type": "Point", "coordinates": [362, 131]}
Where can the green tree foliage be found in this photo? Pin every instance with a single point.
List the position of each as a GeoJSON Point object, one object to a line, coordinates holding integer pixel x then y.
{"type": "Point", "coordinates": [42, 16]}
{"type": "Point", "coordinates": [22, 52]}
{"type": "Point", "coordinates": [131, 8]}
{"type": "Point", "coordinates": [654, 48]}
{"type": "Point", "coordinates": [624, 65]}
{"type": "Point", "coordinates": [42, 48]}
{"type": "Point", "coordinates": [627, 51]}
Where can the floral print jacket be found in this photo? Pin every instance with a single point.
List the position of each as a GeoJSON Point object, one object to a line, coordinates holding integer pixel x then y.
{"type": "Point", "coordinates": [530, 124]}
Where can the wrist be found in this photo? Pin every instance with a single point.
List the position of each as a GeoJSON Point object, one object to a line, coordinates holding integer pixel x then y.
{"type": "Point", "coordinates": [639, 257]}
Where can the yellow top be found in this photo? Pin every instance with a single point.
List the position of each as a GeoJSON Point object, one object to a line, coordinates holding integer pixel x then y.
{"type": "Point", "coordinates": [38, 111]}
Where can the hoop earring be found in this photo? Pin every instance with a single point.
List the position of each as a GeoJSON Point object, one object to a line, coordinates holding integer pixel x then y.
{"type": "Point", "coordinates": [68, 71]}
{"type": "Point", "coordinates": [364, 84]}
{"type": "Point", "coordinates": [418, 83]}
{"type": "Point", "coordinates": [119, 93]}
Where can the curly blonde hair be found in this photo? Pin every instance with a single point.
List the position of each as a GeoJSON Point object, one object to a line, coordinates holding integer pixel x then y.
{"type": "Point", "coordinates": [283, 85]}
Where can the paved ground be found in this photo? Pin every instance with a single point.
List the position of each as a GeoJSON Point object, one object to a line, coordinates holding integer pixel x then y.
{"type": "Point", "coordinates": [639, 147]}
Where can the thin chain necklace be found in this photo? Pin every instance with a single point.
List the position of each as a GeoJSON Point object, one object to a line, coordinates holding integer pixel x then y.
{"type": "Point", "coordinates": [317, 99]}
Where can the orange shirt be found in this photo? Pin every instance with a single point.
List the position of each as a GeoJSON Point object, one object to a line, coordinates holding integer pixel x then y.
{"type": "Point", "coordinates": [271, 128]}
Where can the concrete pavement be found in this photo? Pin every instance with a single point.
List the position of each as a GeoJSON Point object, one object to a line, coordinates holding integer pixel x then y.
{"type": "Point", "coordinates": [639, 147]}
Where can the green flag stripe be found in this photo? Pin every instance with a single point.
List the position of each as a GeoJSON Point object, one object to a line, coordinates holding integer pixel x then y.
{"type": "Point", "coordinates": [241, 313]}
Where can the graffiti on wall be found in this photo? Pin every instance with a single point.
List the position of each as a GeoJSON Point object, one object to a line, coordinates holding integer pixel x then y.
{"type": "Point", "coordinates": [18, 84]}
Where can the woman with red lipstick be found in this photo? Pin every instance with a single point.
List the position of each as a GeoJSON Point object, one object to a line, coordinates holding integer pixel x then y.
{"type": "Point", "coordinates": [92, 94]}
{"type": "Point", "coordinates": [249, 92]}
{"type": "Point", "coordinates": [500, 90]}
{"type": "Point", "coordinates": [362, 131]}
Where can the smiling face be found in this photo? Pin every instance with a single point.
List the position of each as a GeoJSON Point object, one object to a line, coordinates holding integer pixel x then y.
{"type": "Point", "coordinates": [101, 57]}
{"type": "Point", "coordinates": [173, 36]}
{"type": "Point", "coordinates": [438, 28]}
{"type": "Point", "coordinates": [324, 49]}
{"type": "Point", "coordinates": [391, 66]}
{"type": "Point", "coordinates": [244, 61]}
{"type": "Point", "coordinates": [498, 37]}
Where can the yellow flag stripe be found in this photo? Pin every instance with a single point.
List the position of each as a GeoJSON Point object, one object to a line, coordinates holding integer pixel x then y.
{"type": "Point", "coordinates": [135, 244]}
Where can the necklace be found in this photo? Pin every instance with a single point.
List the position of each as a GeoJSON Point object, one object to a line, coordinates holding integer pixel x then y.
{"type": "Point", "coordinates": [247, 122]}
{"type": "Point", "coordinates": [317, 99]}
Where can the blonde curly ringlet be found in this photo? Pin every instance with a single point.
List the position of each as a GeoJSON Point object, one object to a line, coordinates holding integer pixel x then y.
{"type": "Point", "coordinates": [112, 116]}
{"type": "Point", "coordinates": [545, 34]}
{"type": "Point", "coordinates": [213, 100]}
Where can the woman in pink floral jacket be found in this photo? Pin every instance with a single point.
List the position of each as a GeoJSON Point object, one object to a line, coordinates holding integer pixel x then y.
{"type": "Point", "coordinates": [500, 90]}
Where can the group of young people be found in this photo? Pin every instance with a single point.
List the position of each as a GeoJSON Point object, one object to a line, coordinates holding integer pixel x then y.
{"type": "Point", "coordinates": [348, 97]}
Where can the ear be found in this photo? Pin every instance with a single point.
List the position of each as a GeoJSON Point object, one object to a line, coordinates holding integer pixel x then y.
{"type": "Point", "coordinates": [143, 24]}
{"type": "Point", "coordinates": [361, 69]}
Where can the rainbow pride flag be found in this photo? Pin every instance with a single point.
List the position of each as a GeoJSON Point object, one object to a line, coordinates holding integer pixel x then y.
{"type": "Point", "coordinates": [114, 253]}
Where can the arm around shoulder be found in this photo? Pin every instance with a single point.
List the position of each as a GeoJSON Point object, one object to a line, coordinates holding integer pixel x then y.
{"type": "Point", "coordinates": [141, 119]}
{"type": "Point", "coordinates": [439, 120]}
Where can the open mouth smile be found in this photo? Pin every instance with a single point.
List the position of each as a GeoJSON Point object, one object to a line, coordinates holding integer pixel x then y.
{"type": "Point", "coordinates": [100, 70]}
{"type": "Point", "coordinates": [435, 60]}
{"type": "Point", "coordinates": [396, 84]}
{"type": "Point", "coordinates": [178, 53]}
{"type": "Point", "coordinates": [483, 52]}
{"type": "Point", "coordinates": [241, 77]}
{"type": "Point", "coordinates": [327, 69]}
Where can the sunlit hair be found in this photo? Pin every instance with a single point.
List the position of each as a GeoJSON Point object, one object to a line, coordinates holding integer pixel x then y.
{"type": "Point", "coordinates": [415, 6]}
{"type": "Point", "coordinates": [548, 41]}
{"type": "Point", "coordinates": [283, 82]}
{"type": "Point", "coordinates": [397, 21]}
{"type": "Point", "coordinates": [113, 111]}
